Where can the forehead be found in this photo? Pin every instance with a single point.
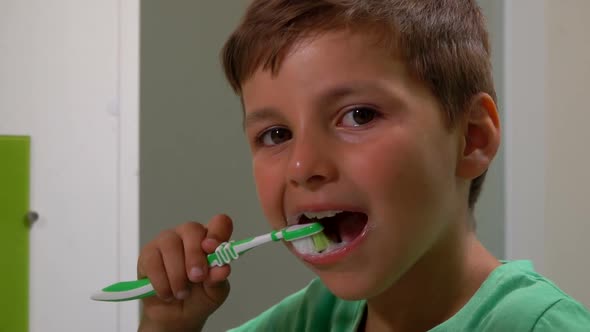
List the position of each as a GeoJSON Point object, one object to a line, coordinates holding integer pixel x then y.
{"type": "Point", "coordinates": [360, 45]}
{"type": "Point", "coordinates": [322, 60]}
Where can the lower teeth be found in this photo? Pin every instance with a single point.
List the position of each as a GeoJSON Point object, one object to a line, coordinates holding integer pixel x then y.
{"type": "Point", "coordinates": [307, 247]}
{"type": "Point", "coordinates": [332, 246]}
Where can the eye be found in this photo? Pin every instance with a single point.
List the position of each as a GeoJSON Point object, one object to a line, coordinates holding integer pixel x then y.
{"type": "Point", "coordinates": [358, 116]}
{"type": "Point", "coordinates": [274, 136]}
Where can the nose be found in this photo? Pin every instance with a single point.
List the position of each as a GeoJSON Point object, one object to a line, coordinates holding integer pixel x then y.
{"type": "Point", "coordinates": [310, 164]}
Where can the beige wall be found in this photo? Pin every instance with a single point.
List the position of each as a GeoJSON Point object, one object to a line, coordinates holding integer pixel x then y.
{"type": "Point", "coordinates": [567, 204]}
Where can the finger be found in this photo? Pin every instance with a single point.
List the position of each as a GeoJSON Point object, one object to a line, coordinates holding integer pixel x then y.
{"type": "Point", "coordinates": [220, 228]}
{"type": "Point", "coordinates": [192, 234]}
{"type": "Point", "coordinates": [171, 248]}
{"type": "Point", "coordinates": [209, 245]}
{"type": "Point", "coordinates": [217, 275]}
{"type": "Point", "coordinates": [151, 266]}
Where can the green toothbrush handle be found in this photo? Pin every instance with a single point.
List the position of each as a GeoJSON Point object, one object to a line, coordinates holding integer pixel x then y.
{"type": "Point", "coordinates": [125, 291]}
{"type": "Point", "coordinates": [229, 251]}
{"type": "Point", "coordinates": [224, 254]}
{"type": "Point", "coordinates": [137, 289]}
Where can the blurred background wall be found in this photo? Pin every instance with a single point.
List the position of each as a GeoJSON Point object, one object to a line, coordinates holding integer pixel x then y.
{"type": "Point", "coordinates": [567, 181]}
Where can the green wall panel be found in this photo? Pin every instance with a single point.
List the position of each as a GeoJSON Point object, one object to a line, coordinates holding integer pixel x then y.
{"type": "Point", "coordinates": [14, 233]}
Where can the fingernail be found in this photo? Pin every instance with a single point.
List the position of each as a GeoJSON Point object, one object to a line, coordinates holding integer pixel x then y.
{"type": "Point", "coordinates": [183, 294]}
{"type": "Point", "coordinates": [196, 273]}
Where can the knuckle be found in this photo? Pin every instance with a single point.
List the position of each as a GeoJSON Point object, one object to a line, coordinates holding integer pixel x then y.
{"type": "Point", "coordinates": [168, 241]}
{"type": "Point", "coordinates": [195, 253]}
{"type": "Point", "coordinates": [196, 265]}
{"type": "Point", "coordinates": [148, 257]}
{"type": "Point", "coordinates": [161, 286]}
{"type": "Point", "coordinates": [164, 292]}
{"type": "Point", "coordinates": [178, 281]}
{"type": "Point", "coordinates": [166, 235]}
{"type": "Point", "coordinates": [191, 229]}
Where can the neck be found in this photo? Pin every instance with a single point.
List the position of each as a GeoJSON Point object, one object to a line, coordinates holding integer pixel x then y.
{"type": "Point", "coordinates": [440, 283]}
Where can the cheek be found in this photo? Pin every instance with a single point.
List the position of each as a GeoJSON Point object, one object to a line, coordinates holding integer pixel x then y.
{"type": "Point", "coordinates": [403, 175]}
{"type": "Point", "coordinates": [268, 179]}
{"type": "Point", "coordinates": [384, 160]}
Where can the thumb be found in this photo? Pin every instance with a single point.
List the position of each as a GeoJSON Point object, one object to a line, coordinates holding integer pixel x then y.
{"type": "Point", "coordinates": [207, 296]}
{"type": "Point", "coordinates": [216, 286]}
{"type": "Point", "coordinates": [217, 291]}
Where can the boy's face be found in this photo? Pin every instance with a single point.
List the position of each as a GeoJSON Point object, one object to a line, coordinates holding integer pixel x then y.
{"type": "Point", "coordinates": [344, 127]}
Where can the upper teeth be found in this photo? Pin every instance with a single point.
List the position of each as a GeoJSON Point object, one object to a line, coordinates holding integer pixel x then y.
{"type": "Point", "coordinates": [321, 214]}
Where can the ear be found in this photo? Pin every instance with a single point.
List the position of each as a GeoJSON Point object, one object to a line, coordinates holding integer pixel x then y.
{"type": "Point", "coordinates": [480, 137]}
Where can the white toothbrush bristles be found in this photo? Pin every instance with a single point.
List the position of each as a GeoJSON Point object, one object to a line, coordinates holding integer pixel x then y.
{"type": "Point", "coordinates": [312, 244]}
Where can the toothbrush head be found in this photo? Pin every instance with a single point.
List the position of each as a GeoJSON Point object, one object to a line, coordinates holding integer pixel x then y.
{"type": "Point", "coordinates": [302, 231]}
{"type": "Point", "coordinates": [308, 238]}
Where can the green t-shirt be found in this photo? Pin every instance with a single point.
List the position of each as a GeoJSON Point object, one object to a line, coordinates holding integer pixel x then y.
{"type": "Point", "coordinates": [513, 298]}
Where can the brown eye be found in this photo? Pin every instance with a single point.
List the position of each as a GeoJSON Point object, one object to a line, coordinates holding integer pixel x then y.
{"type": "Point", "coordinates": [275, 136]}
{"type": "Point", "coordinates": [358, 116]}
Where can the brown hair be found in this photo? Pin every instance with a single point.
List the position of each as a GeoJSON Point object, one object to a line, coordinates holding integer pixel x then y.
{"type": "Point", "coordinates": [444, 43]}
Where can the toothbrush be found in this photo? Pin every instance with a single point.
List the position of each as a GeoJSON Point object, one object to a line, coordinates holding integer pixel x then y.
{"type": "Point", "coordinates": [309, 235]}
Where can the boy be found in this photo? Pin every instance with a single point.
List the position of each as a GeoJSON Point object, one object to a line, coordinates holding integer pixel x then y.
{"type": "Point", "coordinates": [377, 118]}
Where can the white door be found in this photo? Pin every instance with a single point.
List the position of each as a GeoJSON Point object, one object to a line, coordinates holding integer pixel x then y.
{"type": "Point", "coordinates": [68, 79]}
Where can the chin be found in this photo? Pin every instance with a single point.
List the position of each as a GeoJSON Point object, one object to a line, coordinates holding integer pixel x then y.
{"type": "Point", "coordinates": [351, 286]}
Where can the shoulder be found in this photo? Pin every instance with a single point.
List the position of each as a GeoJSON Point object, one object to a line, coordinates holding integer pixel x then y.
{"type": "Point", "coordinates": [516, 298]}
{"type": "Point", "coordinates": [312, 307]}
{"type": "Point", "coordinates": [524, 290]}
{"type": "Point", "coordinates": [540, 306]}
{"type": "Point", "coordinates": [565, 314]}
{"type": "Point", "coordinates": [524, 300]}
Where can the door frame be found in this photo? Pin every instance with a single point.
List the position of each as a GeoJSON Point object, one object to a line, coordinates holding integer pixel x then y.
{"type": "Point", "coordinates": [129, 64]}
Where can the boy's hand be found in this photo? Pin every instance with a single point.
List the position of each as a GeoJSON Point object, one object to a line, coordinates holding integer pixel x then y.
{"type": "Point", "coordinates": [187, 291]}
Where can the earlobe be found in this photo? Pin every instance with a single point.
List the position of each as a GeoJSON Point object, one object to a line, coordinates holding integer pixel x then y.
{"type": "Point", "coordinates": [481, 137]}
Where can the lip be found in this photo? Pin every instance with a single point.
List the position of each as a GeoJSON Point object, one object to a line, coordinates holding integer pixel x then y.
{"type": "Point", "coordinates": [336, 255]}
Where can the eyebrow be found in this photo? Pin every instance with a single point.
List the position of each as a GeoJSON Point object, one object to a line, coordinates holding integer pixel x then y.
{"type": "Point", "coordinates": [328, 96]}
{"type": "Point", "coordinates": [260, 115]}
{"type": "Point", "coordinates": [351, 88]}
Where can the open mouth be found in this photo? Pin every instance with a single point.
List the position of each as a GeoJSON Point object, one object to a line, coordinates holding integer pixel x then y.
{"type": "Point", "coordinates": [340, 227]}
